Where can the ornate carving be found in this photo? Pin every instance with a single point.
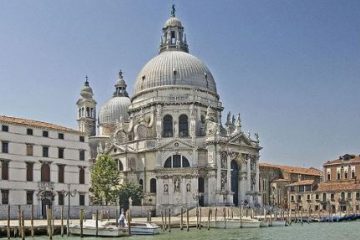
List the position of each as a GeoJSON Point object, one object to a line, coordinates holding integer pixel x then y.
{"type": "Point", "coordinates": [177, 184]}
{"type": "Point", "coordinates": [188, 187]}
{"type": "Point", "coordinates": [223, 159]}
{"type": "Point", "coordinates": [166, 188]}
{"type": "Point", "coordinates": [223, 180]}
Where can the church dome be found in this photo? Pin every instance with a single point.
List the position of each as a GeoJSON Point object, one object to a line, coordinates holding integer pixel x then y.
{"type": "Point", "coordinates": [174, 68]}
{"type": "Point", "coordinates": [116, 108]}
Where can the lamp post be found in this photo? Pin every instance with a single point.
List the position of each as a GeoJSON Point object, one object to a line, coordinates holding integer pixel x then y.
{"type": "Point", "coordinates": [69, 194]}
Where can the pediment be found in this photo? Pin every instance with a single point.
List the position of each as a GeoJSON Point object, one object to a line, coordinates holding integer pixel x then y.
{"type": "Point", "coordinates": [175, 144]}
{"type": "Point", "coordinates": [117, 149]}
{"type": "Point", "coordinates": [240, 139]}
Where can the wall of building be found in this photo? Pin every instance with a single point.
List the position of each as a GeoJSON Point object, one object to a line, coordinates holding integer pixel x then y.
{"type": "Point", "coordinates": [17, 157]}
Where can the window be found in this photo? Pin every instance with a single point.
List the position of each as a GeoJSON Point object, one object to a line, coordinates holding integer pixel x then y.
{"type": "Point", "coordinates": [81, 199]}
{"type": "Point", "coordinates": [61, 152]}
{"type": "Point", "coordinates": [29, 171]}
{"type": "Point", "coordinates": [120, 165]}
{"type": "Point", "coordinates": [183, 126]}
{"type": "Point", "coordinates": [177, 161]}
{"type": "Point", "coordinates": [358, 196]}
{"type": "Point", "coordinates": [308, 197]}
{"type": "Point", "coordinates": [45, 172]}
{"type": "Point", "coordinates": [299, 198]}
{"type": "Point", "coordinates": [82, 139]}
{"type": "Point", "coordinates": [292, 189]}
{"type": "Point", "coordinates": [61, 173]}
{"type": "Point", "coordinates": [82, 155]}
{"type": "Point", "coordinates": [60, 135]}
{"type": "Point", "coordinates": [301, 188]}
{"type": "Point", "coordinates": [81, 176]}
{"type": "Point", "coordinates": [332, 196]}
{"type": "Point", "coordinates": [29, 197]}
{"type": "Point", "coordinates": [353, 172]}
{"type": "Point", "coordinates": [324, 197]}
{"type": "Point", "coordinates": [317, 196]}
{"type": "Point", "coordinates": [168, 126]}
{"type": "Point", "coordinates": [29, 149]}
{"type": "Point", "coordinates": [60, 198]}
{"type": "Point", "coordinates": [5, 196]}
{"type": "Point", "coordinates": [153, 185]}
{"type": "Point", "coordinates": [45, 134]}
{"type": "Point", "coordinates": [346, 175]}
{"type": "Point", "coordinates": [29, 131]}
{"type": "Point", "coordinates": [5, 147]}
{"type": "Point", "coordinates": [5, 128]}
{"type": "Point", "coordinates": [5, 170]}
{"type": "Point", "coordinates": [292, 198]}
{"type": "Point", "coordinates": [45, 151]}
{"type": "Point", "coordinates": [349, 195]}
{"type": "Point", "coordinates": [172, 37]}
{"type": "Point", "coordinates": [141, 183]}
{"type": "Point", "coordinates": [316, 207]}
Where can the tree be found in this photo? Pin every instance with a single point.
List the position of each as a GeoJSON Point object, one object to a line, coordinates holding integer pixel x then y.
{"type": "Point", "coordinates": [130, 189]}
{"type": "Point", "coordinates": [104, 180]}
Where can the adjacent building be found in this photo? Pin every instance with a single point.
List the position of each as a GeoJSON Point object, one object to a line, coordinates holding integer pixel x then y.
{"type": "Point", "coordinates": [168, 136]}
{"type": "Point", "coordinates": [274, 180]}
{"type": "Point", "coordinates": [339, 192]}
{"type": "Point", "coordinates": [39, 161]}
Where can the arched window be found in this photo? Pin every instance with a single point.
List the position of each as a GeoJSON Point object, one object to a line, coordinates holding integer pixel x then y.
{"type": "Point", "coordinates": [183, 126]}
{"type": "Point", "coordinates": [168, 126]}
{"type": "Point", "coordinates": [81, 176]}
{"type": "Point", "coordinates": [45, 172]}
{"type": "Point", "coordinates": [120, 165]}
{"type": "Point", "coordinates": [153, 185]}
{"type": "Point", "coordinates": [177, 161]}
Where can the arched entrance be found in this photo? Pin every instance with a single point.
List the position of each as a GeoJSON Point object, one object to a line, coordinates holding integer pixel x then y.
{"type": "Point", "coordinates": [47, 198]}
{"type": "Point", "coordinates": [235, 182]}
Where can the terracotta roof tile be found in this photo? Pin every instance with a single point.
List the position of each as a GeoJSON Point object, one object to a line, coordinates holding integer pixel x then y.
{"type": "Point", "coordinates": [292, 169]}
{"type": "Point", "coordinates": [36, 124]}
{"type": "Point", "coordinates": [338, 186]}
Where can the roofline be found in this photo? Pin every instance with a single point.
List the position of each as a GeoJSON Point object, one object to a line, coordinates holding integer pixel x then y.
{"type": "Point", "coordinates": [37, 124]}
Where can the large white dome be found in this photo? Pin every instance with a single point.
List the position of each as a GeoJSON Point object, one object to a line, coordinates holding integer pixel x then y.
{"type": "Point", "coordinates": [174, 68]}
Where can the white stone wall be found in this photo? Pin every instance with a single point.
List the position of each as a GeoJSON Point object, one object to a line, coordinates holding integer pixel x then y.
{"type": "Point", "coordinates": [17, 157]}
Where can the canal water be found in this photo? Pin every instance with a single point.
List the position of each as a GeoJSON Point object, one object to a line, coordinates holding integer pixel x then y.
{"type": "Point", "coordinates": [316, 231]}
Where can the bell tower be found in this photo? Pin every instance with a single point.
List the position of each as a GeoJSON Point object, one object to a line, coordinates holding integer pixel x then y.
{"type": "Point", "coordinates": [86, 116]}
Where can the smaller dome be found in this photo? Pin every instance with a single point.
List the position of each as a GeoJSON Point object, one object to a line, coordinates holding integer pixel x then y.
{"type": "Point", "coordinates": [117, 107]}
{"type": "Point", "coordinates": [114, 109]}
{"type": "Point", "coordinates": [173, 22]}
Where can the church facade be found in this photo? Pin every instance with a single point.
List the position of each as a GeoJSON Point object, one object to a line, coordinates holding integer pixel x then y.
{"type": "Point", "coordinates": [168, 136]}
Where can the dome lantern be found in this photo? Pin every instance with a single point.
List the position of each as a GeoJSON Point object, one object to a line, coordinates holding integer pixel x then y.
{"type": "Point", "coordinates": [173, 37]}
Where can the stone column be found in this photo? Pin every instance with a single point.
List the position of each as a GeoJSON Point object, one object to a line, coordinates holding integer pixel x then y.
{"type": "Point", "coordinates": [229, 199]}
{"type": "Point", "coordinates": [257, 179]}
{"type": "Point", "coordinates": [248, 173]}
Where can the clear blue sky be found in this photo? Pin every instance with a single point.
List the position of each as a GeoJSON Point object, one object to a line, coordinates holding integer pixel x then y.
{"type": "Point", "coordinates": [291, 68]}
